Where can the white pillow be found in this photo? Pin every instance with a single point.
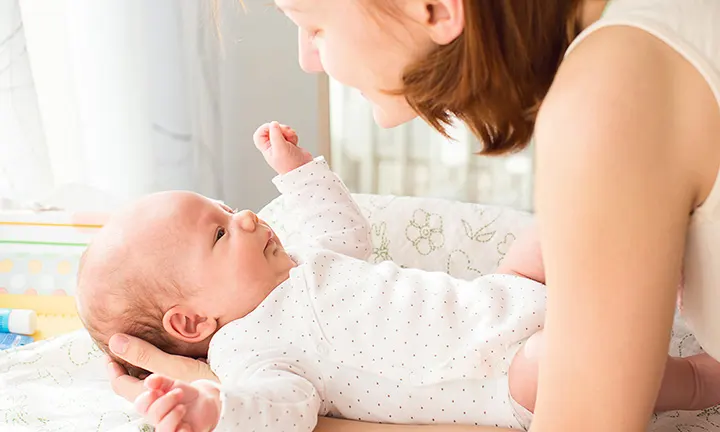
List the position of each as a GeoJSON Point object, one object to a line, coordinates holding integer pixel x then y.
{"type": "Point", "coordinates": [465, 240]}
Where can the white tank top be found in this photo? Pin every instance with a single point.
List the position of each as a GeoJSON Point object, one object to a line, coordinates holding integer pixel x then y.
{"type": "Point", "coordinates": [692, 28]}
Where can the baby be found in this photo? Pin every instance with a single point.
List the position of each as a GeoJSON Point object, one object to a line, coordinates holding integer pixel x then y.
{"type": "Point", "coordinates": [315, 329]}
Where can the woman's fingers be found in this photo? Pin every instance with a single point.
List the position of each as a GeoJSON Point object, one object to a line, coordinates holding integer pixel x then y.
{"type": "Point", "coordinates": [115, 370]}
{"type": "Point", "coordinates": [146, 356]}
{"type": "Point", "coordinates": [122, 384]}
{"type": "Point", "coordinates": [133, 350]}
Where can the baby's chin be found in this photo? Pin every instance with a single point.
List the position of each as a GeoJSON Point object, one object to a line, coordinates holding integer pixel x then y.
{"type": "Point", "coordinates": [281, 252]}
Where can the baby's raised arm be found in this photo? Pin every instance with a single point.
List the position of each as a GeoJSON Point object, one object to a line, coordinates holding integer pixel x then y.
{"type": "Point", "coordinates": [325, 211]}
{"type": "Point", "coordinates": [321, 205]}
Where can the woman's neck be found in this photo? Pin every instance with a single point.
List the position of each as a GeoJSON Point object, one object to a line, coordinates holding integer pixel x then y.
{"type": "Point", "coordinates": [591, 11]}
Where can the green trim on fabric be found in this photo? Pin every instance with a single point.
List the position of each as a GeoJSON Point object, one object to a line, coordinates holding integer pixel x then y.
{"type": "Point", "coordinates": [21, 242]}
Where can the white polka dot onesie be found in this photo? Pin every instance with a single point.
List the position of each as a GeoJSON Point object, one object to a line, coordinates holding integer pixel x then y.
{"type": "Point", "coordinates": [374, 342]}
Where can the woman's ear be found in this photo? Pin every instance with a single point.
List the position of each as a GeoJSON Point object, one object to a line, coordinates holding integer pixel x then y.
{"type": "Point", "coordinates": [444, 20]}
{"type": "Point", "coordinates": [184, 324]}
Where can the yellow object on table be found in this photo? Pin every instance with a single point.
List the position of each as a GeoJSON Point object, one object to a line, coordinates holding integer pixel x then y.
{"type": "Point", "coordinates": [56, 315]}
{"type": "Point", "coordinates": [39, 256]}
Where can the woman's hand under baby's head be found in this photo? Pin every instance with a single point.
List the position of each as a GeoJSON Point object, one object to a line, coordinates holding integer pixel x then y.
{"type": "Point", "coordinates": [173, 268]}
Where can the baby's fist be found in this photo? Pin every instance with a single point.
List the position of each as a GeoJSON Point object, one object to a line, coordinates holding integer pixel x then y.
{"type": "Point", "coordinates": [279, 146]}
{"type": "Point", "coordinates": [176, 406]}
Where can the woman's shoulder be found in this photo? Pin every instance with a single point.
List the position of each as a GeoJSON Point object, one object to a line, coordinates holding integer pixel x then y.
{"type": "Point", "coordinates": [653, 45]}
{"type": "Point", "coordinates": [619, 75]}
{"type": "Point", "coordinates": [685, 25]}
{"type": "Point", "coordinates": [625, 87]}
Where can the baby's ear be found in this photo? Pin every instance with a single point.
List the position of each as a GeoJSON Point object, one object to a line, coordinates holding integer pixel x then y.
{"type": "Point", "coordinates": [184, 324]}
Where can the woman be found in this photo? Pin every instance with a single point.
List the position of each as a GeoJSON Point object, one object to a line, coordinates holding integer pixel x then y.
{"type": "Point", "coordinates": [622, 99]}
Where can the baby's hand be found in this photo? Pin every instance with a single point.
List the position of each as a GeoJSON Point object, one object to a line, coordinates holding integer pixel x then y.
{"type": "Point", "coordinates": [176, 406]}
{"type": "Point", "coordinates": [278, 144]}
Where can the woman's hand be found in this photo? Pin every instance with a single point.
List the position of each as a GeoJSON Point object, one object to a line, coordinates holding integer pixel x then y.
{"type": "Point", "coordinates": [146, 356]}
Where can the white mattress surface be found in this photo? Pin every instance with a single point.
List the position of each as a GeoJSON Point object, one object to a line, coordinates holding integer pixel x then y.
{"type": "Point", "coordinates": [60, 385]}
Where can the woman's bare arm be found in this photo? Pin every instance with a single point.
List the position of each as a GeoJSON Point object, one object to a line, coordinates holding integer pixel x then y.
{"type": "Point", "coordinates": [613, 194]}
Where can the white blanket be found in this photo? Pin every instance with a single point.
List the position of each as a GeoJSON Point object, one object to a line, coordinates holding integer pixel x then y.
{"type": "Point", "coordinates": [60, 385]}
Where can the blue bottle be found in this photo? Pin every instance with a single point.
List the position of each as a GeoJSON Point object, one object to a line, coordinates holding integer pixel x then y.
{"type": "Point", "coordinates": [11, 340]}
{"type": "Point", "coordinates": [18, 321]}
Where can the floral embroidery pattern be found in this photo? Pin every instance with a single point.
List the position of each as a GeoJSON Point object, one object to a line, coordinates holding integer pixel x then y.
{"type": "Point", "coordinates": [481, 235]}
{"type": "Point", "coordinates": [460, 266]}
{"type": "Point", "coordinates": [425, 232]}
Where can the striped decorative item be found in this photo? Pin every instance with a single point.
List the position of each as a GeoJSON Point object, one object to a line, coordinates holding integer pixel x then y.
{"type": "Point", "coordinates": [40, 251]}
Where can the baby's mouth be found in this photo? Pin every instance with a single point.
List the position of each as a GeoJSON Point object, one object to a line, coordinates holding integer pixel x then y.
{"type": "Point", "coordinates": [270, 239]}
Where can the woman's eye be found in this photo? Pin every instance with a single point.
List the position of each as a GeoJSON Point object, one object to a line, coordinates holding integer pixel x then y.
{"type": "Point", "coordinates": [219, 234]}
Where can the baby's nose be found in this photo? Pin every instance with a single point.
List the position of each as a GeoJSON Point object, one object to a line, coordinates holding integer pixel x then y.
{"type": "Point", "coordinates": [246, 220]}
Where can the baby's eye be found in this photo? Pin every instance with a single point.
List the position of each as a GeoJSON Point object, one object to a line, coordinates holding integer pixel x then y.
{"type": "Point", "coordinates": [219, 234]}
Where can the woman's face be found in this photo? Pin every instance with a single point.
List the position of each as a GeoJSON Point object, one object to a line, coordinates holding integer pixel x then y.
{"type": "Point", "coordinates": [360, 47]}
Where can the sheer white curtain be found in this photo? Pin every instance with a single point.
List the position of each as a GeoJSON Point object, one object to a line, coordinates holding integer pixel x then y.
{"type": "Point", "coordinates": [23, 153]}
{"type": "Point", "coordinates": [105, 100]}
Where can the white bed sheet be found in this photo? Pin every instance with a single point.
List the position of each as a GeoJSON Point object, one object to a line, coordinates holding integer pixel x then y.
{"type": "Point", "coordinates": [60, 385]}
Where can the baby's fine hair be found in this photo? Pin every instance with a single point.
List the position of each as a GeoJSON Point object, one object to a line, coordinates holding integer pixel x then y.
{"type": "Point", "coordinates": [130, 304]}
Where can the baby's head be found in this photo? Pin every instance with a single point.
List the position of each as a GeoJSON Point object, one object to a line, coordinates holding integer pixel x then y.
{"type": "Point", "coordinates": [175, 267]}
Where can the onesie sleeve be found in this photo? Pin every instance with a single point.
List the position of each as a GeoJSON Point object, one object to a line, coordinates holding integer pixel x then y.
{"type": "Point", "coordinates": [325, 210]}
{"type": "Point", "coordinates": [274, 397]}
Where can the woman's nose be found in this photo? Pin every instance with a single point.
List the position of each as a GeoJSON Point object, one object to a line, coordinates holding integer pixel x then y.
{"type": "Point", "coordinates": [246, 220]}
{"type": "Point", "coordinates": [308, 54]}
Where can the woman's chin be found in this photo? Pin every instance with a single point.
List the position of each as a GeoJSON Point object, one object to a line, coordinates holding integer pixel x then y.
{"type": "Point", "coordinates": [394, 117]}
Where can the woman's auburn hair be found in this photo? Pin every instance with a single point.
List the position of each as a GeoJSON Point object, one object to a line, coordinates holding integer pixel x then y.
{"type": "Point", "coordinates": [495, 75]}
